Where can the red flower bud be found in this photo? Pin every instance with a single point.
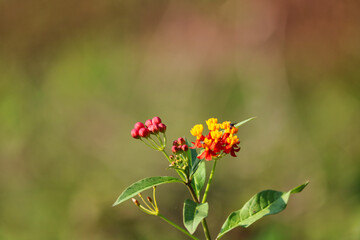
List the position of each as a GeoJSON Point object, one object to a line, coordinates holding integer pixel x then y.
{"type": "Point", "coordinates": [175, 143]}
{"type": "Point", "coordinates": [149, 199]}
{"type": "Point", "coordinates": [148, 122]}
{"type": "Point", "coordinates": [181, 141]}
{"type": "Point", "coordinates": [144, 132]}
{"type": "Point", "coordinates": [155, 128]}
{"type": "Point", "coordinates": [135, 133]}
{"type": "Point", "coordinates": [151, 128]}
{"type": "Point", "coordinates": [156, 120]}
{"type": "Point", "coordinates": [162, 127]}
{"type": "Point", "coordinates": [184, 147]}
{"type": "Point", "coordinates": [174, 149]}
{"type": "Point", "coordinates": [138, 125]}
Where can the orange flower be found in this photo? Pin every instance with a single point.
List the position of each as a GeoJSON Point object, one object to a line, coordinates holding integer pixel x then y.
{"type": "Point", "coordinates": [217, 142]}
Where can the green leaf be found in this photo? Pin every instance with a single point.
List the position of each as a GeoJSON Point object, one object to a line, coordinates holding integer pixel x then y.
{"type": "Point", "coordinates": [198, 180]}
{"type": "Point", "coordinates": [264, 203]}
{"type": "Point", "coordinates": [194, 213]}
{"type": "Point", "coordinates": [197, 170]}
{"type": "Point", "coordinates": [142, 185]}
{"type": "Point", "coordinates": [193, 160]}
{"type": "Point", "coordinates": [243, 122]}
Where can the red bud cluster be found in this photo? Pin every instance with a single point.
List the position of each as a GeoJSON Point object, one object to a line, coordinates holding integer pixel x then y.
{"type": "Point", "coordinates": [153, 125]}
{"type": "Point", "coordinates": [179, 145]}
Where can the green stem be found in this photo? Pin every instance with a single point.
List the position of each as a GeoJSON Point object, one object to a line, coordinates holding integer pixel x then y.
{"type": "Point", "coordinates": [177, 227]}
{"type": "Point", "coordinates": [204, 223]}
{"type": "Point", "coordinates": [166, 155]}
{"type": "Point", "coordinates": [206, 229]}
{"type": "Point", "coordinates": [209, 182]}
{"type": "Point", "coordinates": [149, 144]}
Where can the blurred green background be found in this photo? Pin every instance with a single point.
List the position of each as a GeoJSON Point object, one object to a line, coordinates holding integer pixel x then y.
{"type": "Point", "coordinates": [76, 75]}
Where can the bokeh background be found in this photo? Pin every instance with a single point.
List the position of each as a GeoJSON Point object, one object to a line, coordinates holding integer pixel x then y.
{"type": "Point", "coordinates": [76, 75]}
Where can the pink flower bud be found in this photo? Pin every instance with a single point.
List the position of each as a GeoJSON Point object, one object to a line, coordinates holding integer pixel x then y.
{"type": "Point", "coordinates": [135, 133]}
{"type": "Point", "coordinates": [171, 157]}
{"type": "Point", "coordinates": [162, 127]}
{"type": "Point", "coordinates": [138, 125]}
{"type": "Point", "coordinates": [156, 120]}
{"type": "Point", "coordinates": [155, 128]}
{"type": "Point", "coordinates": [181, 141]}
{"type": "Point", "coordinates": [151, 128]}
{"type": "Point", "coordinates": [144, 132]}
{"type": "Point", "coordinates": [184, 147]}
{"type": "Point", "coordinates": [174, 149]}
{"type": "Point", "coordinates": [148, 122]}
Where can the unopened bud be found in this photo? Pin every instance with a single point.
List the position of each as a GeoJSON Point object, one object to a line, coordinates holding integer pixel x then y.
{"type": "Point", "coordinates": [174, 149]}
{"type": "Point", "coordinates": [135, 133]}
{"type": "Point", "coordinates": [149, 199]}
{"type": "Point", "coordinates": [175, 143]}
{"type": "Point", "coordinates": [184, 147]}
{"type": "Point", "coordinates": [151, 128]}
{"type": "Point", "coordinates": [155, 128]}
{"type": "Point", "coordinates": [181, 141]}
{"type": "Point", "coordinates": [144, 132]}
{"type": "Point", "coordinates": [156, 120]}
{"type": "Point", "coordinates": [138, 125]}
{"type": "Point", "coordinates": [171, 157]}
{"type": "Point", "coordinates": [148, 122]}
{"type": "Point", "coordinates": [136, 202]}
{"type": "Point", "coordinates": [162, 127]}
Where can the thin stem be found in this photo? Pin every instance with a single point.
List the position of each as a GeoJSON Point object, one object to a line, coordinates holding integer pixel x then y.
{"type": "Point", "coordinates": [149, 144]}
{"type": "Point", "coordinates": [156, 144]}
{"type": "Point", "coordinates": [140, 195]}
{"type": "Point", "coordinates": [177, 227]}
{"type": "Point", "coordinates": [192, 192]}
{"type": "Point", "coordinates": [209, 182]}
{"type": "Point", "coordinates": [158, 137]}
{"type": "Point", "coordinates": [166, 155]}
{"type": "Point", "coordinates": [206, 229]}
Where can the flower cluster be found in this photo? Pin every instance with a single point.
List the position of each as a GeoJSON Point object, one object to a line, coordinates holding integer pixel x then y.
{"type": "Point", "coordinates": [179, 145]}
{"type": "Point", "coordinates": [179, 159]}
{"type": "Point", "coordinates": [151, 127]}
{"type": "Point", "coordinates": [221, 139]}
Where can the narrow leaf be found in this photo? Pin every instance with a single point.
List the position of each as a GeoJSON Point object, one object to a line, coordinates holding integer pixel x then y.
{"type": "Point", "coordinates": [243, 122]}
{"type": "Point", "coordinates": [193, 160]}
{"type": "Point", "coordinates": [199, 178]}
{"type": "Point", "coordinates": [194, 213]}
{"type": "Point", "coordinates": [142, 185]}
{"type": "Point", "coordinates": [197, 170]}
{"type": "Point", "coordinates": [264, 203]}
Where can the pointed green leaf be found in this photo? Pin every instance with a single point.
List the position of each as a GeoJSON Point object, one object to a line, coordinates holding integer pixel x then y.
{"type": "Point", "coordinates": [197, 170]}
{"type": "Point", "coordinates": [243, 122]}
{"type": "Point", "coordinates": [264, 203]}
{"type": "Point", "coordinates": [193, 160]}
{"type": "Point", "coordinates": [142, 185]}
{"type": "Point", "coordinates": [199, 178]}
{"type": "Point", "coordinates": [194, 213]}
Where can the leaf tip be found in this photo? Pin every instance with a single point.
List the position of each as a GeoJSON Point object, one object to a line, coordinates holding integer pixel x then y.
{"type": "Point", "coordinates": [300, 188]}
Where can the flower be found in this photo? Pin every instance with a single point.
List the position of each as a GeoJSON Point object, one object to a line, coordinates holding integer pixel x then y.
{"type": "Point", "coordinates": [197, 130]}
{"type": "Point", "coordinates": [220, 140]}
